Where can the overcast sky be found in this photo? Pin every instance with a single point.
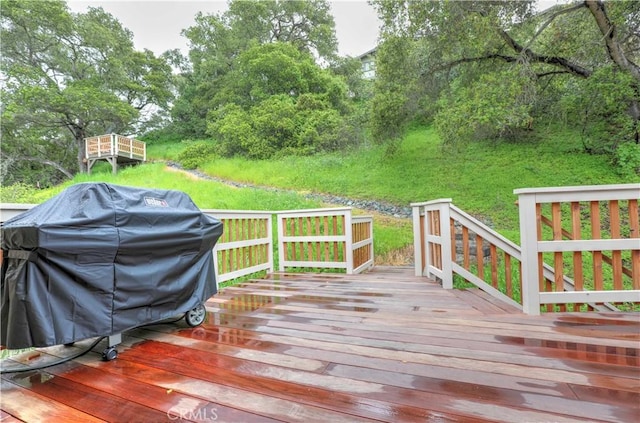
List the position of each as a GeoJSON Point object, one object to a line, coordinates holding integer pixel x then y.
{"type": "Point", "coordinates": [156, 24]}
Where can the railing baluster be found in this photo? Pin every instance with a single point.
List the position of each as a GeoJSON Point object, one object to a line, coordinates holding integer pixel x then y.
{"type": "Point", "coordinates": [597, 255]}
{"type": "Point", "coordinates": [465, 247]}
{"type": "Point", "coordinates": [480, 257]}
{"type": "Point", "coordinates": [634, 232]}
{"type": "Point", "coordinates": [576, 228]}
{"type": "Point", "coordinates": [507, 274]}
{"type": "Point", "coordinates": [616, 255]}
{"type": "Point", "coordinates": [558, 259]}
{"type": "Point", "coordinates": [494, 265]}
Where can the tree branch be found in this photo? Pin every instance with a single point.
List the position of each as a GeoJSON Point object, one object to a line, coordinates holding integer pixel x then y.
{"type": "Point", "coordinates": [47, 162]}
{"type": "Point", "coordinates": [609, 32]}
{"type": "Point", "coordinates": [551, 60]}
{"type": "Point", "coordinates": [552, 18]}
{"type": "Point", "coordinates": [559, 72]}
{"type": "Point", "coordinates": [449, 65]}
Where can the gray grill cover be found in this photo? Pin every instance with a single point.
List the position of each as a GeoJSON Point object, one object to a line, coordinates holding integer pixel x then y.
{"type": "Point", "coordinates": [100, 259]}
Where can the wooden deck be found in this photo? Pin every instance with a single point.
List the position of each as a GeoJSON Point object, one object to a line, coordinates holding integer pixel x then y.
{"type": "Point", "coordinates": [381, 346]}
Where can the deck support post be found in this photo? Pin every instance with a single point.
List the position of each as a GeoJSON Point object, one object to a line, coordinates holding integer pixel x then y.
{"type": "Point", "coordinates": [114, 164]}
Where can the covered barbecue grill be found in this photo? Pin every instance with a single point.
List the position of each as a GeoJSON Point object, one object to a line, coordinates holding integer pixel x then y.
{"type": "Point", "coordinates": [100, 259]}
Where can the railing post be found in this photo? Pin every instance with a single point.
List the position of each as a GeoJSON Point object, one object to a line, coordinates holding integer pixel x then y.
{"type": "Point", "coordinates": [528, 245]}
{"type": "Point", "coordinates": [114, 146]}
{"type": "Point", "coordinates": [348, 233]}
{"type": "Point", "coordinates": [271, 243]}
{"type": "Point", "coordinates": [281, 245]}
{"type": "Point", "coordinates": [445, 245]}
{"type": "Point", "coordinates": [371, 254]}
{"type": "Point", "coordinates": [418, 238]}
{"type": "Point", "coordinates": [216, 271]}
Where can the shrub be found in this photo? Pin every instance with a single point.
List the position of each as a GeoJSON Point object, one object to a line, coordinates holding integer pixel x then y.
{"type": "Point", "coordinates": [627, 158]}
{"type": "Point", "coordinates": [17, 193]}
{"type": "Point", "coordinates": [196, 154]}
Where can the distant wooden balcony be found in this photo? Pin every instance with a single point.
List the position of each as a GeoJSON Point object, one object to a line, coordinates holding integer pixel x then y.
{"type": "Point", "coordinates": [114, 148]}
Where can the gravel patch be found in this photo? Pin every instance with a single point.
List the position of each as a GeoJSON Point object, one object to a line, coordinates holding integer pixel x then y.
{"type": "Point", "coordinates": [370, 205]}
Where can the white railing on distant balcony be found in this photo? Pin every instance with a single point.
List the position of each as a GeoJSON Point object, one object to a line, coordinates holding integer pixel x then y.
{"type": "Point", "coordinates": [109, 145]}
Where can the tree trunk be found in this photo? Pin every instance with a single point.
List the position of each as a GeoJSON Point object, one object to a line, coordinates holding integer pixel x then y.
{"type": "Point", "coordinates": [616, 53]}
{"type": "Point", "coordinates": [609, 32]}
{"type": "Point", "coordinates": [82, 164]}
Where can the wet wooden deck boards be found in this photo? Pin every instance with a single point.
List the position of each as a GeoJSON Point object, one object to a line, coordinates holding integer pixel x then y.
{"type": "Point", "coordinates": [384, 346]}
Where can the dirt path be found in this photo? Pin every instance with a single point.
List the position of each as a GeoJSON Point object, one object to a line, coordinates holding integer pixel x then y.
{"type": "Point", "coordinates": [373, 206]}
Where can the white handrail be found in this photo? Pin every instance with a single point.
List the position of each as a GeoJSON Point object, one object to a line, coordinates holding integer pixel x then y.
{"type": "Point", "coordinates": [529, 201]}
{"type": "Point", "coordinates": [433, 245]}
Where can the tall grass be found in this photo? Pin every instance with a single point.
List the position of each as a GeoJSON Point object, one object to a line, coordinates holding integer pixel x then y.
{"type": "Point", "coordinates": [480, 177]}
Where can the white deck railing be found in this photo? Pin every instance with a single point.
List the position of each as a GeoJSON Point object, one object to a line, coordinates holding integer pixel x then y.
{"type": "Point", "coordinates": [448, 241]}
{"type": "Point", "coordinates": [362, 243]}
{"type": "Point", "coordinates": [444, 241]}
{"type": "Point", "coordinates": [324, 239]}
{"type": "Point", "coordinates": [589, 226]}
{"type": "Point", "coordinates": [246, 246]}
{"type": "Point", "coordinates": [109, 145]}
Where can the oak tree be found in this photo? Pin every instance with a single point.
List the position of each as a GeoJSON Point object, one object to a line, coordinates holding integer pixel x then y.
{"type": "Point", "coordinates": [68, 76]}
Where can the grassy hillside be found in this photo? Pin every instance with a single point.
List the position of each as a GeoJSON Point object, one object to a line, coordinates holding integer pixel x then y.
{"type": "Point", "coordinates": [390, 234]}
{"type": "Point", "coordinates": [206, 194]}
{"type": "Point", "coordinates": [480, 177]}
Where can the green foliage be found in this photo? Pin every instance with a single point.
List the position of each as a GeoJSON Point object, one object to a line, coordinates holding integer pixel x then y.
{"type": "Point", "coordinates": [17, 193]}
{"type": "Point", "coordinates": [278, 101]}
{"type": "Point", "coordinates": [196, 154]}
{"type": "Point", "coordinates": [480, 178]}
{"type": "Point", "coordinates": [350, 69]}
{"type": "Point", "coordinates": [492, 68]}
{"type": "Point", "coordinates": [165, 150]}
{"type": "Point", "coordinates": [495, 105]}
{"type": "Point", "coordinates": [391, 109]}
{"type": "Point", "coordinates": [225, 58]}
{"type": "Point", "coordinates": [67, 76]}
{"type": "Point", "coordinates": [628, 159]}
{"type": "Point", "coordinates": [600, 107]}
{"type": "Point", "coordinates": [308, 25]}
{"type": "Point", "coordinates": [280, 125]}
{"type": "Point", "coordinates": [206, 194]}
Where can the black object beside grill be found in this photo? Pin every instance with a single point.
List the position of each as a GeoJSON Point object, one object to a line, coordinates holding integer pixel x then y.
{"type": "Point", "coordinates": [99, 259]}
